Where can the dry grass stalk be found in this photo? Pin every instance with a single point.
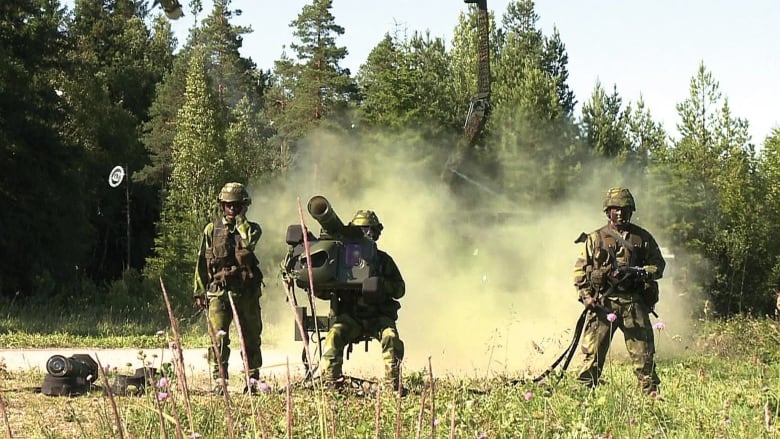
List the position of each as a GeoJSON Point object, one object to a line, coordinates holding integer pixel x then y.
{"type": "Point", "coordinates": [245, 358]}
{"type": "Point", "coordinates": [157, 406]}
{"type": "Point", "coordinates": [288, 405]}
{"type": "Point", "coordinates": [452, 418]}
{"type": "Point", "coordinates": [241, 341]}
{"type": "Point", "coordinates": [421, 413]}
{"type": "Point", "coordinates": [178, 356]}
{"type": "Point", "coordinates": [433, 397]}
{"type": "Point", "coordinates": [117, 420]}
{"type": "Point", "coordinates": [398, 404]}
{"type": "Point", "coordinates": [5, 417]}
{"type": "Point", "coordinates": [377, 415]}
{"type": "Point", "coordinates": [174, 410]}
{"type": "Point", "coordinates": [299, 323]}
{"type": "Point", "coordinates": [223, 375]}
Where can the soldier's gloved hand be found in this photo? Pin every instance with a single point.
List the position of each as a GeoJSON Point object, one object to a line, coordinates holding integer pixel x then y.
{"type": "Point", "coordinates": [590, 302]}
{"type": "Point", "coordinates": [201, 302]}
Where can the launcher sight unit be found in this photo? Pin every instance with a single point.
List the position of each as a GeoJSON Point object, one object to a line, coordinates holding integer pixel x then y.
{"type": "Point", "coordinates": [343, 260]}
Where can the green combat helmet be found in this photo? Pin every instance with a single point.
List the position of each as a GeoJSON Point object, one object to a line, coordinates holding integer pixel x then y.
{"type": "Point", "coordinates": [619, 197]}
{"type": "Point", "coordinates": [234, 192]}
{"type": "Point", "coordinates": [367, 218]}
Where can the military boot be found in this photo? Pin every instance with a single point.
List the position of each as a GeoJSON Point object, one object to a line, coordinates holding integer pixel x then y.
{"type": "Point", "coordinates": [251, 385]}
{"type": "Point", "coordinates": [394, 384]}
{"type": "Point", "coordinates": [219, 386]}
{"type": "Point", "coordinates": [335, 384]}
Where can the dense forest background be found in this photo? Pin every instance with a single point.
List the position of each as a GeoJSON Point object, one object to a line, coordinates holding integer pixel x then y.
{"type": "Point", "coordinates": [107, 84]}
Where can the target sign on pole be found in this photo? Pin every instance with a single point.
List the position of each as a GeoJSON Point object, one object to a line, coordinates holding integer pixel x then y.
{"type": "Point", "coordinates": [116, 176]}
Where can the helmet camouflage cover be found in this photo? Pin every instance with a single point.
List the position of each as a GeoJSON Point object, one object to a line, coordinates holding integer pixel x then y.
{"type": "Point", "coordinates": [366, 218]}
{"type": "Point", "coordinates": [619, 197]}
{"type": "Point", "coordinates": [234, 192]}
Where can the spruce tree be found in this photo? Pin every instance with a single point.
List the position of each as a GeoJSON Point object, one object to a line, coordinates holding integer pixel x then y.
{"type": "Point", "coordinates": [199, 169]}
{"type": "Point", "coordinates": [312, 89]}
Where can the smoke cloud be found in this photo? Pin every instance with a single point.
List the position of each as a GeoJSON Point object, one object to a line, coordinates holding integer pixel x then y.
{"type": "Point", "coordinates": [483, 297]}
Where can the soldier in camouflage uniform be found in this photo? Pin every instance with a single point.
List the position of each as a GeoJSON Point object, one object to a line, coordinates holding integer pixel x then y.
{"type": "Point", "coordinates": [354, 318]}
{"type": "Point", "coordinates": [227, 265]}
{"type": "Point", "coordinates": [611, 290]}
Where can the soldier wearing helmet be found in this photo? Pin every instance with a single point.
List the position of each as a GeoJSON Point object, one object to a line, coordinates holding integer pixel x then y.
{"type": "Point", "coordinates": [358, 318]}
{"type": "Point", "coordinates": [227, 267]}
{"type": "Point", "coordinates": [615, 276]}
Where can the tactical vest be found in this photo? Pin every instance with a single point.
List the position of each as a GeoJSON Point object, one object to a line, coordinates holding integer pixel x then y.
{"type": "Point", "coordinates": [230, 263]}
{"type": "Point", "coordinates": [611, 252]}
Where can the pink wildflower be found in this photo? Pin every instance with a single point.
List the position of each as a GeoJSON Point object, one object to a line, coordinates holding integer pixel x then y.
{"type": "Point", "coordinates": [659, 325]}
{"type": "Point", "coordinates": [263, 387]}
{"type": "Point", "coordinates": [528, 395]}
{"type": "Point", "coordinates": [611, 317]}
{"type": "Point", "coordinates": [482, 435]}
{"type": "Point", "coordinates": [221, 333]}
{"type": "Point", "coordinates": [162, 383]}
{"type": "Point", "coordinates": [162, 396]}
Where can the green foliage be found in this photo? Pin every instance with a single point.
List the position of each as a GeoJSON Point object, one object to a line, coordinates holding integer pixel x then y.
{"type": "Point", "coordinates": [535, 145]}
{"type": "Point", "coordinates": [604, 123]}
{"type": "Point", "coordinates": [44, 237]}
{"type": "Point", "coordinates": [312, 90]}
{"type": "Point", "coordinates": [82, 91]}
{"type": "Point", "coordinates": [407, 86]}
{"type": "Point", "coordinates": [199, 170]}
{"type": "Point", "coordinates": [708, 178]}
{"type": "Point", "coordinates": [725, 385]}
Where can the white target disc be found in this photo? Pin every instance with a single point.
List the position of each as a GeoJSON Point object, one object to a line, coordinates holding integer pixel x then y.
{"type": "Point", "coordinates": [116, 176]}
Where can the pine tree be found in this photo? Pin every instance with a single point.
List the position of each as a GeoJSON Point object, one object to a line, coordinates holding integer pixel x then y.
{"type": "Point", "coordinates": [535, 144]}
{"type": "Point", "coordinates": [604, 123]}
{"type": "Point", "coordinates": [117, 62]}
{"type": "Point", "coordinates": [198, 171]}
{"type": "Point", "coordinates": [45, 239]}
{"type": "Point", "coordinates": [311, 90]}
{"type": "Point", "coordinates": [407, 86]}
{"type": "Point", "coordinates": [707, 176]}
{"type": "Point", "coordinates": [233, 78]}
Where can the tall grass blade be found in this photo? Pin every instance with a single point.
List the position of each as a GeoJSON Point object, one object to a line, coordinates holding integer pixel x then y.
{"type": "Point", "coordinates": [110, 393]}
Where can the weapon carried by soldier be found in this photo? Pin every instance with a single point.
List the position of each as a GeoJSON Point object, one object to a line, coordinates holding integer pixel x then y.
{"type": "Point", "coordinates": [342, 262]}
{"type": "Point", "coordinates": [624, 275]}
{"type": "Point", "coordinates": [362, 284]}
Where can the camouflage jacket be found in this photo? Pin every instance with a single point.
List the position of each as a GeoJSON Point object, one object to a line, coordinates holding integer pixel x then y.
{"type": "Point", "coordinates": [226, 259]}
{"type": "Point", "coordinates": [606, 250]}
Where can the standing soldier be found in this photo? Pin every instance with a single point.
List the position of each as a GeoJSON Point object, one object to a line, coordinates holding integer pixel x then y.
{"type": "Point", "coordinates": [615, 276]}
{"type": "Point", "coordinates": [227, 267]}
{"type": "Point", "coordinates": [355, 316]}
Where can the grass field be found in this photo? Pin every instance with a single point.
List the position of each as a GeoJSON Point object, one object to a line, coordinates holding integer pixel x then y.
{"type": "Point", "coordinates": [725, 384]}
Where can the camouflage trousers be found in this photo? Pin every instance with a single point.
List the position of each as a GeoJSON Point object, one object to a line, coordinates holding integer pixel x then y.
{"type": "Point", "coordinates": [249, 319]}
{"type": "Point", "coordinates": [633, 319]}
{"type": "Point", "coordinates": [347, 329]}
